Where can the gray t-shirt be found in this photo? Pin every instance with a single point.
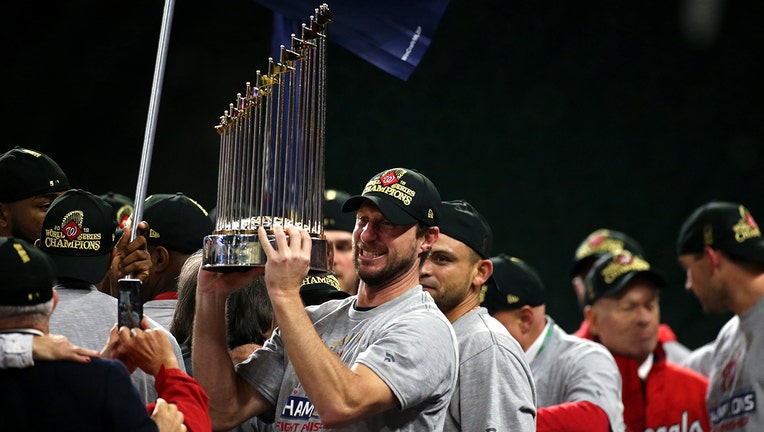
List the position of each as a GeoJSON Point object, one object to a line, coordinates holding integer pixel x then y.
{"type": "Point", "coordinates": [85, 316]}
{"type": "Point", "coordinates": [571, 369]}
{"type": "Point", "coordinates": [495, 390]}
{"type": "Point", "coordinates": [160, 311]}
{"type": "Point", "coordinates": [700, 358]}
{"type": "Point", "coordinates": [407, 342]}
{"type": "Point", "coordinates": [736, 381]}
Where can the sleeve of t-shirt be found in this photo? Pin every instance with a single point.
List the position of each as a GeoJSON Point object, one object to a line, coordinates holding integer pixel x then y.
{"type": "Point", "coordinates": [176, 386]}
{"type": "Point", "coordinates": [16, 350]}
{"type": "Point", "coordinates": [572, 417]}
{"type": "Point", "coordinates": [415, 356]}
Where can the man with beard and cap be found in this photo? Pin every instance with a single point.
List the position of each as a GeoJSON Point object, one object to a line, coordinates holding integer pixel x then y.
{"type": "Point", "coordinates": [722, 251]}
{"type": "Point", "coordinates": [455, 271]}
{"type": "Point", "coordinates": [382, 360]}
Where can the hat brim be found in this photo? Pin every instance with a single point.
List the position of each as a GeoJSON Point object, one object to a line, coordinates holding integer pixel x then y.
{"type": "Point", "coordinates": [91, 269]}
{"type": "Point", "coordinates": [390, 211]}
{"type": "Point", "coordinates": [319, 295]}
{"type": "Point", "coordinates": [651, 276]}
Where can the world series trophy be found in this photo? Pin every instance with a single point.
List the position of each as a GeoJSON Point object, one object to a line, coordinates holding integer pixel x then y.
{"type": "Point", "coordinates": [271, 165]}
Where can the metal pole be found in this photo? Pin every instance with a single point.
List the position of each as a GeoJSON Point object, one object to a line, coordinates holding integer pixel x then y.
{"type": "Point", "coordinates": [129, 306]}
{"type": "Point", "coordinates": [156, 94]}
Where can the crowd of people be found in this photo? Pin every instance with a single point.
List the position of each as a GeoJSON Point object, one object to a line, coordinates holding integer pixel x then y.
{"type": "Point", "coordinates": [417, 324]}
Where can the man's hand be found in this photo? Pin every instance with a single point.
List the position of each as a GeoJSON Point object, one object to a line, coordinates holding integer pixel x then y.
{"type": "Point", "coordinates": [147, 349]}
{"type": "Point", "coordinates": [288, 263]}
{"type": "Point", "coordinates": [114, 349]}
{"type": "Point", "coordinates": [127, 258]}
{"type": "Point", "coordinates": [167, 417]}
{"type": "Point", "coordinates": [57, 347]}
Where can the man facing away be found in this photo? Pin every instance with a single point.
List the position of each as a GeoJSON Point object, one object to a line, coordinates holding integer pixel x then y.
{"type": "Point", "coordinates": [78, 233]}
{"type": "Point", "coordinates": [384, 360]}
{"type": "Point", "coordinates": [93, 395]}
{"type": "Point", "coordinates": [722, 251]}
{"type": "Point", "coordinates": [577, 380]}
{"type": "Point", "coordinates": [177, 227]}
{"type": "Point", "coordinates": [495, 390]}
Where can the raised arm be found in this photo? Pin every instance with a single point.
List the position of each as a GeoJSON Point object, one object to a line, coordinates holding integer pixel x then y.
{"type": "Point", "coordinates": [341, 394]}
{"type": "Point", "coordinates": [232, 400]}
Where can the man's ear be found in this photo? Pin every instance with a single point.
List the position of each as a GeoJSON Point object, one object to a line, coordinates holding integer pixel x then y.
{"type": "Point", "coordinates": [527, 317]}
{"type": "Point", "coordinates": [160, 258]}
{"type": "Point", "coordinates": [590, 315]}
{"type": "Point", "coordinates": [713, 255]}
{"type": "Point", "coordinates": [55, 300]}
{"type": "Point", "coordinates": [430, 237]}
{"type": "Point", "coordinates": [484, 271]}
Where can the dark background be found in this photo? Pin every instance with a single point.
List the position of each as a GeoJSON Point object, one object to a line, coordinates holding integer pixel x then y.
{"type": "Point", "coordinates": [552, 119]}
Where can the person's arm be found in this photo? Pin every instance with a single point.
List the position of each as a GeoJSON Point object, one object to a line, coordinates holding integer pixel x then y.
{"type": "Point", "coordinates": [581, 416]}
{"type": "Point", "coordinates": [232, 399]}
{"type": "Point", "coordinates": [150, 350]}
{"type": "Point", "coordinates": [19, 350]}
{"type": "Point", "coordinates": [340, 394]}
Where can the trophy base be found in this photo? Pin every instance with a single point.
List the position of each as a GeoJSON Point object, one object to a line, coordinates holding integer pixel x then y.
{"type": "Point", "coordinates": [240, 252]}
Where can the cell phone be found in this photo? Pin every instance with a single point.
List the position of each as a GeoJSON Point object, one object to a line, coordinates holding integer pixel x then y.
{"type": "Point", "coordinates": [129, 305]}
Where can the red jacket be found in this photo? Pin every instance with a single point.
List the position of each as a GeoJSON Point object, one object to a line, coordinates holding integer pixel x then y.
{"type": "Point", "coordinates": [672, 396]}
{"type": "Point", "coordinates": [176, 386]}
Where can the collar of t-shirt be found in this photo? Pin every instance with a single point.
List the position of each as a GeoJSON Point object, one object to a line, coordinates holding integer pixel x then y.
{"type": "Point", "coordinates": [644, 368]}
{"type": "Point", "coordinates": [24, 331]}
{"type": "Point", "coordinates": [538, 344]}
{"type": "Point", "coordinates": [169, 295]}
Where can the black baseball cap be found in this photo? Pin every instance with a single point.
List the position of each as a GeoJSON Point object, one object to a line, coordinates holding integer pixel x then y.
{"type": "Point", "coordinates": [28, 274]}
{"type": "Point", "coordinates": [334, 217]}
{"type": "Point", "coordinates": [403, 195]}
{"type": "Point", "coordinates": [176, 222]}
{"type": "Point", "coordinates": [460, 220]}
{"type": "Point", "coordinates": [512, 285]}
{"type": "Point", "coordinates": [319, 288]}
{"type": "Point", "coordinates": [78, 233]}
{"type": "Point", "coordinates": [26, 173]}
{"type": "Point", "coordinates": [613, 271]}
{"type": "Point", "coordinates": [725, 226]}
{"type": "Point", "coordinates": [600, 242]}
{"type": "Point", "coordinates": [122, 204]}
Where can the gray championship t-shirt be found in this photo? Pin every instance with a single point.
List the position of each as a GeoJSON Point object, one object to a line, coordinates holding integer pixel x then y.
{"type": "Point", "coordinates": [85, 316]}
{"type": "Point", "coordinates": [571, 369]}
{"type": "Point", "coordinates": [735, 397]}
{"type": "Point", "coordinates": [407, 342]}
{"type": "Point", "coordinates": [495, 391]}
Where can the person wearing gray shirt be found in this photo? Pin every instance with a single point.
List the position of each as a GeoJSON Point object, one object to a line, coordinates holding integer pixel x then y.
{"type": "Point", "coordinates": [78, 235]}
{"type": "Point", "coordinates": [383, 360]}
{"type": "Point", "coordinates": [721, 248]}
{"type": "Point", "coordinates": [578, 382]}
{"type": "Point", "coordinates": [495, 390]}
